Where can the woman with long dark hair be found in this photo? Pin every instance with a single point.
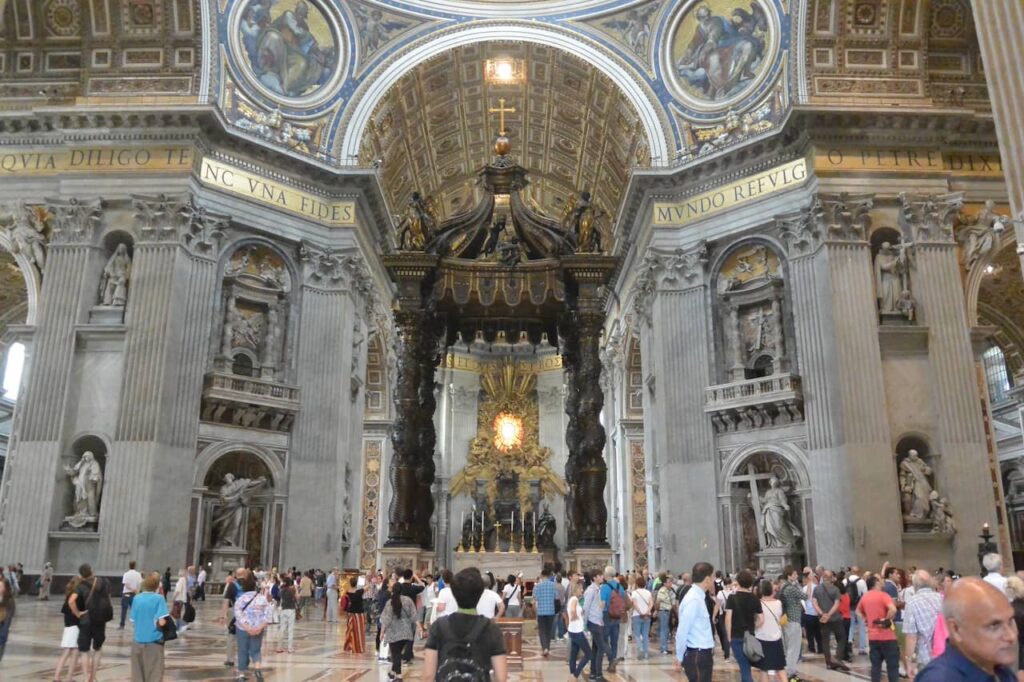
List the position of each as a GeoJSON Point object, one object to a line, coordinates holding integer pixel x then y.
{"type": "Point", "coordinates": [397, 628]}
{"type": "Point", "coordinates": [355, 630]}
{"type": "Point", "coordinates": [6, 612]}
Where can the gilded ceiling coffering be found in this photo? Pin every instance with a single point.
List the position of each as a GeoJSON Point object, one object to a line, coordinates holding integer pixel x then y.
{"type": "Point", "coordinates": [902, 51]}
{"type": "Point", "coordinates": [98, 51]}
{"type": "Point", "coordinates": [572, 129]}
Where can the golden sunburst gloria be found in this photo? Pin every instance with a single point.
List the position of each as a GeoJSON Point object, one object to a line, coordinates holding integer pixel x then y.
{"type": "Point", "coordinates": [508, 431]}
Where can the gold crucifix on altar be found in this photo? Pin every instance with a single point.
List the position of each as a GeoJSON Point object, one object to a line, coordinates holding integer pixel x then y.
{"type": "Point", "coordinates": [501, 111]}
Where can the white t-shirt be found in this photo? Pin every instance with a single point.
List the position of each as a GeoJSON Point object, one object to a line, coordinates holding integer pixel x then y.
{"type": "Point", "coordinates": [642, 602]}
{"type": "Point", "coordinates": [512, 592]}
{"type": "Point", "coordinates": [575, 624]}
{"type": "Point", "coordinates": [997, 581]}
{"type": "Point", "coordinates": [131, 581]}
{"type": "Point", "coordinates": [770, 630]}
{"type": "Point", "coordinates": [488, 604]}
{"type": "Point", "coordinates": [445, 604]}
{"type": "Point", "coordinates": [201, 578]}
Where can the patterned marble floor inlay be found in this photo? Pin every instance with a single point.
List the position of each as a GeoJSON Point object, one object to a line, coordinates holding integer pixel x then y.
{"type": "Point", "coordinates": [198, 654]}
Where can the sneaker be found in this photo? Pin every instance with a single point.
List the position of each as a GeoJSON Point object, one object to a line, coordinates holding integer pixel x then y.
{"type": "Point", "coordinates": [259, 675]}
{"type": "Point", "coordinates": [228, 664]}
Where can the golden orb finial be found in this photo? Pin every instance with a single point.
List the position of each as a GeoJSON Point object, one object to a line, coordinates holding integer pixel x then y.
{"type": "Point", "coordinates": [502, 146]}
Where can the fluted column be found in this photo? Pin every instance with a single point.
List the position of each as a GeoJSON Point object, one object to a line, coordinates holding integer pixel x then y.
{"type": "Point", "coordinates": [836, 327]}
{"type": "Point", "coordinates": [1000, 25]}
{"type": "Point", "coordinates": [168, 317]}
{"type": "Point", "coordinates": [32, 469]}
{"type": "Point", "coordinates": [963, 469]}
{"type": "Point", "coordinates": [324, 365]}
{"type": "Point", "coordinates": [675, 285]}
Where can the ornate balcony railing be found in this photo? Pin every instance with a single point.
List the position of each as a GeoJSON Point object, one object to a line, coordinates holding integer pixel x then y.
{"type": "Point", "coordinates": [249, 402]}
{"type": "Point", "coordinates": [755, 403]}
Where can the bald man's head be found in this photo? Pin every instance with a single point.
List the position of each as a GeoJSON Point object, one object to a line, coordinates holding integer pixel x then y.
{"type": "Point", "coordinates": [980, 623]}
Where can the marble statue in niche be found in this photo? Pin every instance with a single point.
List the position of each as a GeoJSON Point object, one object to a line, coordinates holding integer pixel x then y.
{"type": "Point", "coordinates": [546, 528]}
{"type": "Point", "coordinates": [892, 280]}
{"type": "Point", "coordinates": [234, 498]}
{"type": "Point", "coordinates": [942, 517]}
{"type": "Point", "coordinates": [116, 276]}
{"type": "Point", "coordinates": [720, 48]}
{"type": "Point", "coordinates": [87, 481]}
{"type": "Point", "coordinates": [915, 487]}
{"type": "Point", "coordinates": [289, 45]}
{"type": "Point", "coordinates": [779, 530]}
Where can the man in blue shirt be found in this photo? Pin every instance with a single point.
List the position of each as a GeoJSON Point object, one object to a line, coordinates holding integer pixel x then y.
{"type": "Point", "coordinates": [695, 642]}
{"type": "Point", "coordinates": [149, 613]}
{"type": "Point", "coordinates": [611, 624]}
{"type": "Point", "coordinates": [544, 598]}
{"type": "Point", "coordinates": [982, 645]}
{"type": "Point", "coordinates": [593, 613]}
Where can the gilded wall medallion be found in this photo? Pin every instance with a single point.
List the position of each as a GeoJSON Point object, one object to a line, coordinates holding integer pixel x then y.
{"type": "Point", "coordinates": [721, 51]}
{"type": "Point", "coordinates": [290, 51]}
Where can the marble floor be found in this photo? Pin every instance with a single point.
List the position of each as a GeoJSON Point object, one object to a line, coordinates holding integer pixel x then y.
{"type": "Point", "coordinates": [198, 654]}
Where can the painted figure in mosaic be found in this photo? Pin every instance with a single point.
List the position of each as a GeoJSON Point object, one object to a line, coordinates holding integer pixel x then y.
{"type": "Point", "coordinates": [723, 54]}
{"type": "Point", "coordinates": [284, 52]}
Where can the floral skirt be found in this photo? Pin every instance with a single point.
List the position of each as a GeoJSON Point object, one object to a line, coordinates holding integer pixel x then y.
{"type": "Point", "coordinates": [355, 633]}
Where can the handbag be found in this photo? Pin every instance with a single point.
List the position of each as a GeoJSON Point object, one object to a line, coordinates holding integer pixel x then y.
{"type": "Point", "coordinates": [752, 648]}
{"type": "Point", "coordinates": [169, 630]}
{"type": "Point", "coordinates": [189, 614]}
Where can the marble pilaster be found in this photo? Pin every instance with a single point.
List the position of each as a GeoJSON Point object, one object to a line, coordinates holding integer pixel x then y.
{"type": "Point", "coordinates": [319, 447]}
{"type": "Point", "coordinates": [963, 471]}
{"type": "Point", "coordinates": [1000, 27]}
{"type": "Point", "coordinates": [674, 291]}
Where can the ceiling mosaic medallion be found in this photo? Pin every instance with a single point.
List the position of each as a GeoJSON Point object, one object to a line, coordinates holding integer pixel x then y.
{"type": "Point", "coordinates": [721, 51]}
{"type": "Point", "coordinates": [288, 51]}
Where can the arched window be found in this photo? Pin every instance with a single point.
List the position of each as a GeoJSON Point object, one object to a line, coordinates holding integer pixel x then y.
{"type": "Point", "coordinates": [13, 369]}
{"type": "Point", "coordinates": [996, 375]}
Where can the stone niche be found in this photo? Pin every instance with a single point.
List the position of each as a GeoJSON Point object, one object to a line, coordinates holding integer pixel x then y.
{"type": "Point", "coordinates": [248, 386]}
{"type": "Point", "coordinates": [113, 284]}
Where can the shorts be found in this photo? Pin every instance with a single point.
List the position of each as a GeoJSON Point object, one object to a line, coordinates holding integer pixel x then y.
{"type": "Point", "coordinates": [93, 635]}
{"type": "Point", "coordinates": [69, 640]}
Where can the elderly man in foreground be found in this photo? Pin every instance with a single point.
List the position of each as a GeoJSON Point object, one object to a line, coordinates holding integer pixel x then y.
{"type": "Point", "coordinates": [982, 636]}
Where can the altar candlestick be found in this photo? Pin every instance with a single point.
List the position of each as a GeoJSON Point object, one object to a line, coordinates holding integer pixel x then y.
{"type": "Point", "coordinates": [462, 520]}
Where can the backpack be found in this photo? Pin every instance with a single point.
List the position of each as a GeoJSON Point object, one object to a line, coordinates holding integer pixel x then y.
{"type": "Point", "coordinates": [853, 589]}
{"type": "Point", "coordinates": [617, 603]}
{"type": "Point", "coordinates": [456, 661]}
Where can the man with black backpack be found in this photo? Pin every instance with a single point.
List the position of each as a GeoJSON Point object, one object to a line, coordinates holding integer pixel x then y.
{"type": "Point", "coordinates": [465, 647]}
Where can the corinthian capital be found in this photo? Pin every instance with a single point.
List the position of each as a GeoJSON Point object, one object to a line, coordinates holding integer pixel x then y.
{"type": "Point", "coordinates": [667, 270]}
{"type": "Point", "coordinates": [930, 217]}
{"type": "Point", "coordinates": [801, 230]}
{"type": "Point", "coordinates": [158, 218]}
{"type": "Point", "coordinates": [331, 269]}
{"type": "Point", "coordinates": [75, 220]}
{"type": "Point", "coordinates": [204, 229]}
{"type": "Point", "coordinates": [846, 216]}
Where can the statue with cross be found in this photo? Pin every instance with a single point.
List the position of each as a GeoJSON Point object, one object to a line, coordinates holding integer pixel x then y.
{"type": "Point", "coordinates": [775, 529]}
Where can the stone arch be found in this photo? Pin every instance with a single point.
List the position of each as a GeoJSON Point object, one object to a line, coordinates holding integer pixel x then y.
{"type": "Point", "coordinates": [33, 280]}
{"type": "Point", "coordinates": [792, 454]}
{"type": "Point", "coordinates": [643, 100]}
{"type": "Point", "coordinates": [724, 254]}
{"type": "Point", "coordinates": [215, 451]}
{"type": "Point", "coordinates": [975, 277]}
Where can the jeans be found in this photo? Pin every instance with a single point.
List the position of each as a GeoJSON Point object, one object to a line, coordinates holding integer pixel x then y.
{"type": "Point", "coordinates": [559, 625]}
{"type": "Point", "coordinates": [126, 605]}
{"type": "Point", "coordinates": [514, 611]}
{"type": "Point", "coordinates": [642, 633]}
{"type": "Point", "coordinates": [578, 643]}
{"type": "Point", "coordinates": [663, 622]}
{"type": "Point", "coordinates": [288, 627]}
{"type": "Point", "coordinates": [698, 663]}
{"type": "Point", "coordinates": [396, 655]}
{"type": "Point", "coordinates": [249, 649]}
{"type": "Point", "coordinates": [859, 631]}
{"type": "Point", "coordinates": [890, 653]}
{"type": "Point", "coordinates": [611, 635]}
{"type": "Point", "coordinates": [741, 659]}
{"type": "Point", "coordinates": [792, 640]}
{"type": "Point", "coordinates": [599, 648]}
{"type": "Point", "coordinates": [545, 625]}
{"type": "Point", "coordinates": [723, 635]}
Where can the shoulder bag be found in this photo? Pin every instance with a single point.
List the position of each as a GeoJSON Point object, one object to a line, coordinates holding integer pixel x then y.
{"type": "Point", "coordinates": [84, 620]}
{"type": "Point", "coordinates": [232, 627]}
{"type": "Point", "coordinates": [752, 648]}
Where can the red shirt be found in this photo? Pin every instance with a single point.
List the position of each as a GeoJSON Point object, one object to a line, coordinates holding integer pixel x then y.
{"type": "Point", "coordinates": [844, 606]}
{"type": "Point", "coordinates": [875, 606]}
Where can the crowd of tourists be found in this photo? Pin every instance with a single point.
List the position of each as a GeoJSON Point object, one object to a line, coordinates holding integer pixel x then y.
{"type": "Point", "coordinates": [910, 623]}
